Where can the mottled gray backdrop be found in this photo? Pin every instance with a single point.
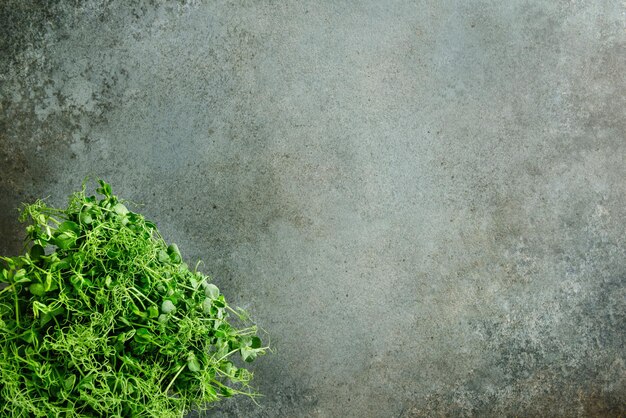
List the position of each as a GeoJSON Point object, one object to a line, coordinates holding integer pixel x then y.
{"type": "Point", "coordinates": [422, 202]}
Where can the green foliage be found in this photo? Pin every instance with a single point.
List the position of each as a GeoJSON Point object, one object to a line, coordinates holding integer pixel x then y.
{"type": "Point", "coordinates": [102, 318]}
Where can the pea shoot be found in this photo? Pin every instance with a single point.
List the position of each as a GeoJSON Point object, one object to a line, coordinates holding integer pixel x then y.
{"type": "Point", "coordinates": [101, 317]}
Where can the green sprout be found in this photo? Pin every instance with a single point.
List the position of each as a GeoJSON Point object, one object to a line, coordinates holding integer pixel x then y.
{"type": "Point", "coordinates": [100, 317]}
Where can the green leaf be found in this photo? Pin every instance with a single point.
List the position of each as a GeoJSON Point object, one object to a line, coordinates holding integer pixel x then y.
{"type": "Point", "coordinates": [57, 311]}
{"type": "Point", "coordinates": [227, 367]}
{"type": "Point", "coordinates": [104, 189]}
{"type": "Point", "coordinates": [167, 306]}
{"type": "Point", "coordinates": [36, 252]}
{"type": "Point", "coordinates": [69, 226]}
{"type": "Point", "coordinates": [29, 336]}
{"type": "Point", "coordinates": [134, 309]}
{"type": "Point", "coordinates": [163, 257]}
{"type": "Point", "coordinates": [45, 319]}
{"type": "Point", "coordinates": [220, 302]}
{"type": "Point", "coordinates": [19, 275]}
{"type": "Point", "coordinates": [87, 382]}
{"type": "Point", "coordinates": [69, 382]}
{"type": "Point", "coordinates": [255, 342]}
{"type": "Point", "coordinates": [86, 218]}
{"type": "Point", "coordinates": [37, 289]}
{"type": "Point", "coordinates": [153, 312]}
{"type": "Point", "coordinates": [142, 335]}
{"type": "Point", "coordinates": [192, 363]}
{"type": "Point", "coordinates": [206, 306]}
{"type": "Point", "coordinates": [62, 264]}
{"type": "Point", "coordinates": [120, 209]}
{"type": "Point", "coordinates": [248, 354]}
{"type": "Point", "coordinates": [65, 240]}
{"type": "Point", "coordinates": [174, 253]}
{"type": "Point", "coordinates": [49, 284]}
{"type": "Point", "coordinates": [211, 291]}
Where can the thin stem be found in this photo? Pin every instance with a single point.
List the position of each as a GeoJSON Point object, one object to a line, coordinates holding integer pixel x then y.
{"type": "Point", "coordinates": [175, 376]}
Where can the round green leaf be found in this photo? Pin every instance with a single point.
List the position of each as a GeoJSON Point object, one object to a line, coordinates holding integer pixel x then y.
{"type": "Point", "coordinates": [36, 252]}
{"type": "Point", "coordinates": [37, 289]}
{"type": "Point", "coordinates": [120, 209]}
{"type": "Point", "coordinates": [211, 290]}
{"type": "Point", "coordinates": [167, 306]}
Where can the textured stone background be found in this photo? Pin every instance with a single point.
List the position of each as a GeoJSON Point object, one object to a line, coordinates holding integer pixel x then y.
{"type": "Point", "coordinates": [422, 202]}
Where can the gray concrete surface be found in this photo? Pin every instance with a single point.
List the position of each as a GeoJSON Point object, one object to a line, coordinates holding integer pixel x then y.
{"type": "Point", "coordinates": [422, 202]}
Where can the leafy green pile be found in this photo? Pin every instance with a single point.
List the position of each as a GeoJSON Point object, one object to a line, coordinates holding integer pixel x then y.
{"type": "Point", "coordinates": [102, 318]}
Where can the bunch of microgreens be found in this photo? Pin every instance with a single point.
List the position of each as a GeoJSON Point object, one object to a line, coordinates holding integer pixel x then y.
{"type": "Point", "coordinates": [100, 317]}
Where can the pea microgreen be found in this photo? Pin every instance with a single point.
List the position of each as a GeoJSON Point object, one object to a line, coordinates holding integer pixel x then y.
{"type": "Point", "coordinates": [101, 317]}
